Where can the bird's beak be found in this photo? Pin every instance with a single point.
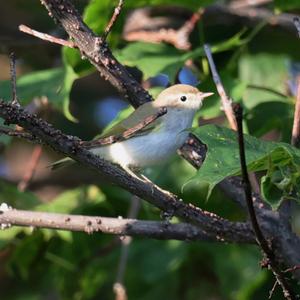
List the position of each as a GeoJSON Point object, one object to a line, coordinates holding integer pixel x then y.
{"type": "Point", "coordinates": [204, 95]}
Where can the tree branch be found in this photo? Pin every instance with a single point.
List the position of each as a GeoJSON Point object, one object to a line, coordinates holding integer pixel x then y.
{"type": "Point", "coordinates": [225, 100]}
{"type": "Point", "coordinates": [96, 50]}
{"type": "Point", "coordinates": [116, 226]}
{"type": "Point", "coordinates": [296, 126]}
{"type": "Point", "coordinates": [179, 38]}
{"type": "Point", "coordinates": [46, 37]}
{"type": "Point", "coordinates": [113, 19]}
{"type": "Point", "coordinates": [31, 167]}
{"type": "Point", "coordinates": [13, 79]}
{"type": "Point", "coordinates": [164, 200]}
{"type": "Point", "coordinates": [18, 134]}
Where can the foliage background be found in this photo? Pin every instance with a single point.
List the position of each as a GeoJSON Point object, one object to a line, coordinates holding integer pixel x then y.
{"type": "Point", "coordinates": [48, 264]}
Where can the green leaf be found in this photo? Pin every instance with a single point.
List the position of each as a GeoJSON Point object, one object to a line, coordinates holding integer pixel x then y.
{"type": "Point", "coordinates": [287, 4]}
{"type": "Point", "coordinates": [268, 116]}
{"type": "Point", "coordinates": [25, 254]}
{"type": "Point", "coordinates": [55, 84]}
{"type": "Point", "coordinates": [263, 70]}
{"type": "Point", "coordinates": [222, 159]}
{"type": "Point", "coordinates": [10, 194]}
{"type": "Point", "coordinates": [71, 200]}
{"type": "Point", "coordinates": [152, 59]}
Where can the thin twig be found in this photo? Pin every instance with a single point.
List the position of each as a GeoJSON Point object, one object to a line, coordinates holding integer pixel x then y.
{"type": "Point", "coordinates": [242, 4]}
{"type": "Point", "coordinates": [297, 24]}
{"type": "Point", "coordinates": [91, 224]}
{"type": "Point", "coordinates": [46, 37]}
{"type": "Point", "coordinates": [18, 134]}
{"type": "Point", "coordinates": [267, 89]}
{"type": "Point", "coordinates": [119, 287]}
{"type": "Point", "coordinates": [13, 77]}
{"type": "Point", "coordinates": [273, 289]}
{"type": "Point", "coordinates": [113, 19]}
{"type": "Point", "coordinates": [127, 133]}
{"type": "Point", "coordinates": [296, 126]}
{"type": "Point", "coordinates": [31, 168]}
{"type": "Point", "coordinates": [226, 104]}
{"type": "Point", "coordinates": [179, 38]}
{"type": "Point", "coordinates": [226, 101]}
{"type": "Point", "coordinates": [288, 293]}
{"type": "Point", "coordinates": [293, 269]}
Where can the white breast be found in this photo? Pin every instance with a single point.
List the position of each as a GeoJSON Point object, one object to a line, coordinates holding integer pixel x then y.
{"type": "Point", "coordinates": [152, 148]}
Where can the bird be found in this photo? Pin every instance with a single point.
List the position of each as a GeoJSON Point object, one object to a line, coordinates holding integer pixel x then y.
{"type": "Point", "coordinates": [156, 142]}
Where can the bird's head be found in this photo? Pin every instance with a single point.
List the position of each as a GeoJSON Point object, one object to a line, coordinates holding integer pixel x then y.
{"type": "Point", "coordinates": [181, 96]}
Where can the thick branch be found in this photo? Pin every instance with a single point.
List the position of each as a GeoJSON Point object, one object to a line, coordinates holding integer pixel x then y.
{"type": "Point", "coordinates": [116, 226]}
{"type": "Point", "coordinates": [96, 50]}
{"type": "Point", "coordinates": [70, 146]}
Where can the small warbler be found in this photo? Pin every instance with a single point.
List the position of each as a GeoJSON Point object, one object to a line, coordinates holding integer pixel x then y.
{"type": "Point", "coordinates": [154, 143]}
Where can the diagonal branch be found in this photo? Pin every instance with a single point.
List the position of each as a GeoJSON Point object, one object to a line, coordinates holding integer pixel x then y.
{"type": "Point", "coordinates": [226, 101]}
{"type": "Point", "coordinates": [96, 50]}
{"type": "Point", "coordinates": [116, 226]}
{"type": "Point", "coordinates": [164, 200]}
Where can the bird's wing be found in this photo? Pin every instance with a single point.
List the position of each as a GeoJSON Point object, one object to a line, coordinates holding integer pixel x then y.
{"type": "Point", "coordinates": [136, 116]}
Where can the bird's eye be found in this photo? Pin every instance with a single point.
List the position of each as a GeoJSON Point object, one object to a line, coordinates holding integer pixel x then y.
{"type": "Point", "coordinates": [183, 98]}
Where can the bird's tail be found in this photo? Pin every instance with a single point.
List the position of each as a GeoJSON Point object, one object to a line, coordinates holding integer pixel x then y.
{"type": "Point", "coordinates": [62, 163]}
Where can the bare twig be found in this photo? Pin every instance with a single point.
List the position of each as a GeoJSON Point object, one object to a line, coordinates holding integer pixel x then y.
{"type": "Point", "coordinates": [226, 101]}
{"type": "Point", "coordinates": [31, 168]}
{"type": "Point", "coordinates": [273, 289]}
{"type": "Point", "coordinates": [127, 133]}
{"type": "Point", "coordinates": [293, 269]}
{"type": "Point", "coordinates": [13, 76]}
{"type": "Point", "coordinates": [179, 38]}
{"type": "Point", "coordinates": [119, 287]}
{"type": "Point", "coordinates": [18, 134]}
{"type": "Point", "coordinates": [120, 291]}
{"type": "Point", "coordinates": [287, 291]}
{"type": "Point", "coordinates": [297, 24]}
{"type": "Point", "coordinates": [113, 19]}
{"type": "Point", "coordinates": [241, 4]}
{"type": "Point", "coordinates": [296, 126]}
{"type": "Point", "coordinates": [267, 89]}
{"type": "Point", "coordinates": [46, 37]}
{"type": "Point", "coordinates": [115, 226]}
